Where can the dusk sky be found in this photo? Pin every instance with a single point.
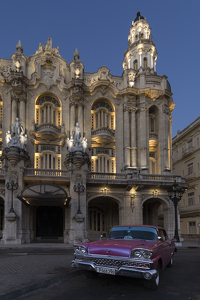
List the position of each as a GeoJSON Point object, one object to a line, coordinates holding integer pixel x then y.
{"type": "Point", "coordinates": [99, 29]}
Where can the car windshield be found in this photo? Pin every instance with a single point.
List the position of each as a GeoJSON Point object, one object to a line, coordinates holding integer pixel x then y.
{"type": "Point", "coordinates": [136, 233]}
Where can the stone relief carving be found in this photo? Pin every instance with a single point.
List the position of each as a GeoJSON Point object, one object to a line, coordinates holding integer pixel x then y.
{"type": "Point", "coordinates": [48, 77]}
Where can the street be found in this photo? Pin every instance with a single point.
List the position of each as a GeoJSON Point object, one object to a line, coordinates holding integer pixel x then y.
{"type": "Point", "coordinates": [181, 281]}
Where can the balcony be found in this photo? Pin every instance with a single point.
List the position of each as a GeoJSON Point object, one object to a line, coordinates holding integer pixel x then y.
{"type": "Point", "coordinates": [153, 141]}
{"type": "Point", "coordinates": [103, 135]}
{"type": "Point", "coordinates": [188, 151]}
{"type": "Point", "coordinates": [48, 132]}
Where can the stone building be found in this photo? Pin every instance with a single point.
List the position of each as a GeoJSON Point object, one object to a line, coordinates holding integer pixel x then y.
{"type": "Point", "coordinates": [186, 162]}
{"type": "Point", "coordinates": [82, 152]}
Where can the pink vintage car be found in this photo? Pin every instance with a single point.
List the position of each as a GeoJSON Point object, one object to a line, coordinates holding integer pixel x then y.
{"type": "Point", "coordinates": [139, 251]}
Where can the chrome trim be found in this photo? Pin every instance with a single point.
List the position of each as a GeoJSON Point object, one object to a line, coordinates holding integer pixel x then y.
{"type": "Point", "coordinates": [123, 271]}
{"type": "Point", "coordinates": [121, 258]}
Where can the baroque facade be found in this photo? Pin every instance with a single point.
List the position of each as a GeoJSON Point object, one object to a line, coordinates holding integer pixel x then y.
{"type": "Point", "coordinates": [82, 152]}
{"type": "Point", "coordinates": [186, 162]}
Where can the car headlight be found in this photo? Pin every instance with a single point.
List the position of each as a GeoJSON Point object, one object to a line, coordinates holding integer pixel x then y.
{"type": "Point", "coordinates": [80, 249]}
{"type": "Point", "coordinates": [140, 253]}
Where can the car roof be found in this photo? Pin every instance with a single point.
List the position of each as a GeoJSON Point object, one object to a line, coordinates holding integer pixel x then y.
{"type": "Point", "coordinates": [139, 225]}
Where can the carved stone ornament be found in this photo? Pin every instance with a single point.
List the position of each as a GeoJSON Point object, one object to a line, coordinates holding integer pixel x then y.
{"type": "Point", "coordinates": [16, 142]}
{"type": "Point", "coordinates": [76, 147]}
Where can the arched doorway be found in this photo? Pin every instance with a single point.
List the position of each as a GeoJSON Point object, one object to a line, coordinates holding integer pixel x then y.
{"type": "Point", "coordinates": [153, 212]}
{"type": "Point", "coordinates": [49, 222]}
{"type": "Point", "coordinates": [1, 217]}
{"type": "Point", "coordinates": [103, 213]}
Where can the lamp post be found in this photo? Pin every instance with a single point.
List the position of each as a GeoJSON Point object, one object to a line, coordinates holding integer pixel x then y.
{"type": "Point", "coordinates": [79, 189]}
{"type": "Point", "coordinates": [175, 193]}
{"type": "Point", "coordinates": [12, 186]}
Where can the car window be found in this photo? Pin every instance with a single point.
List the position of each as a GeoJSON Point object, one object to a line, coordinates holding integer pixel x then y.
{"type": "Point", "coordinates": [140, 233]}
{"type": "Point", "coordinates": [161, 234]}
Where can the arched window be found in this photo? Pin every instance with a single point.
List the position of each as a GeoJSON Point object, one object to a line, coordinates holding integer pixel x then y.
{"type": "Point", "coordinates": [102, 115]}
{"type": "Point", "coordinates": [145, 62]}
{"type": "Point", "coordinates": [48, 110]}
{"type": "Point", "coordinates": [135, 64]}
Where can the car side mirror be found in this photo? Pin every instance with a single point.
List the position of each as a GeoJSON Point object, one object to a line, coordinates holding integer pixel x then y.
{"type": "Point", "coordinates": [159, 238]}
{"type": "Point", "coordinates": [103, 236]}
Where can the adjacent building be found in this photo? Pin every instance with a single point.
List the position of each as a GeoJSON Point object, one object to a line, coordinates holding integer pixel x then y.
{"type": "Point", "coordinates": [186, 162]}
{"type": "Point", "coordinates": [82, 152]}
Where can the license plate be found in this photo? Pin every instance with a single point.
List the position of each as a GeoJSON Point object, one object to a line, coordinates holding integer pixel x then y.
{"type": "Point", "coordinates": [106, 271]}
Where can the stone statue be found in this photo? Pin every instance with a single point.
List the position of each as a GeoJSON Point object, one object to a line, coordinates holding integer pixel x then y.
{"type": "Point", "coordinates": [76, 133]}
{"type": "Point", "coordinates": [76, 143]}
{"type": "Point", "coordinates": [8, 137]}
{"type": "Point", "coordinates": [17, 128]}
{"type": "Point", "coordinates": [84, 143]}
{"type": "Point", "coordinates": [17, 138]}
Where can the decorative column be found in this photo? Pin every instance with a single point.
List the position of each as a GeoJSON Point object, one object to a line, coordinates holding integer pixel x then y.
{"type": "Point", "coordinates": [14, 109]}
{"type": "Point", "coordinates": [80, 116]}
{"type": "Point", "coordinates": [143, 135]}
{"type": "Point", "coordinates": [166, 138]}
{"type": "Point", "coordinates": [77, 162]}
{"type": "Point", "coordinates": [72, 116]}
{"type": "Point", "coordinates": [133, 140]}
{"type": "Point", "coordinates": [22, 112]}
{"type": "Point", "coordinates": [126, 137]}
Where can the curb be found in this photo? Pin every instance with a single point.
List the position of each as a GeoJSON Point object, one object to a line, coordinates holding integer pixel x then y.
{"type": "Point", "coordinates": [39, 285]}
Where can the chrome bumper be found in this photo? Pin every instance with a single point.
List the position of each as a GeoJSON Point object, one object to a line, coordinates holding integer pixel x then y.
{"type": "Point", "coordinates": [123, 271]}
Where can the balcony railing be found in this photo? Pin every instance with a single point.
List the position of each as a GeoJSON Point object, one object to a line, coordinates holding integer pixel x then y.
{"type": "Point", "coordinates": [45, 172]}
{"type": "Point", "coordinates": [103, 130]}
{"type": "Point", "coordinates": [188, 151]}
{"type": "Point", "coordinates": [135, 176]}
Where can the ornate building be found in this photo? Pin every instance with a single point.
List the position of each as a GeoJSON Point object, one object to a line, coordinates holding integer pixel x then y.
{"type": "Point", "coordinates": [186, 162]}
{"type": "Point", "coordinates": [82, 152]}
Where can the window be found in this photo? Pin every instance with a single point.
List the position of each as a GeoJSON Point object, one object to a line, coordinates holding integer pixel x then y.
{"type": "Point", "coordinates": [145, 62]}
{"type": "Point", "coordinates": [102, 115]}
{"type": "Point", "coordinates": [190, 168]}
{"type": "Point", "coordinates": [47, 157]}
{"type": "Point", "coordinates": [191, 199]}
{"type": "Point", "coordinates": [190, 144]}
{"type": "Point", "coordinates": [48, 110]}
{"type": "Point", "coordinates": [96, 220]}
{"type": "Point", "coordinates": [135, 65]}
{"type": "Point", "coordinates": [192, 227]}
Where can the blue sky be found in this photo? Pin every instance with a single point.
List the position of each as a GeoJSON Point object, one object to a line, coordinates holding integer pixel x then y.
{"type": "Point", "coordinates": [99, 29]}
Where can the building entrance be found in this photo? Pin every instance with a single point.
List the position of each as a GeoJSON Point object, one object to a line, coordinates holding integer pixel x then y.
{"type": "Point", "coordinates": [153, 212]}
{"type": "Point", "coordinates": [49, 222]}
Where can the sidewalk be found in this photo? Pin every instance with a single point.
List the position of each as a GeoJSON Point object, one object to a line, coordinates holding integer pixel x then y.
{"type": "Point", "coordinates": [28, 267]}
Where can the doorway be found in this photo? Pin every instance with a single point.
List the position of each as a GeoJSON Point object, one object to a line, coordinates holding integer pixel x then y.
{"type": "Point", "coordinates": [49, 222]}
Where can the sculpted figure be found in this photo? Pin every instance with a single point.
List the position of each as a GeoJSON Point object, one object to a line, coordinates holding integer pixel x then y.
{"type": "Point", "coordinates": [17, 128]}
{"type": "Point", "coordinates": [76, 133]}
{"type": "Point", "coordinates": [8, 137]}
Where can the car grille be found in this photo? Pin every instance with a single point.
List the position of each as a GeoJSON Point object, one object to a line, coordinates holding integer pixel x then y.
{"type": "Point", "coordinates": [114, 263]}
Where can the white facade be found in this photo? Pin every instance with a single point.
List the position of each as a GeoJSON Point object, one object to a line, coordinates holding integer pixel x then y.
{"type": "Point", "coordinates": [103, 140]}
{"type": "Point", "coordinates": [186, 162]}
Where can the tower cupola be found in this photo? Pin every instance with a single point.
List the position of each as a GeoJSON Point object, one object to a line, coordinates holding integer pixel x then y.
{"type": "Point", "coordinates": [141, 54]}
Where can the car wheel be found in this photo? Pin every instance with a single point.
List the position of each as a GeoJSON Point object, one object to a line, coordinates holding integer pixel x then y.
{"type": "Point", "coordinates": [170, 262]}
{"type": "Point", "coordinates": [153, 284]}
{"type": "Point", "coordinates": [91, 274]}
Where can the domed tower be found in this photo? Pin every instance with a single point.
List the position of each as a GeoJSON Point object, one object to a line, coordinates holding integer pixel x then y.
{"type": "Point", "coordinates": [141, 54]}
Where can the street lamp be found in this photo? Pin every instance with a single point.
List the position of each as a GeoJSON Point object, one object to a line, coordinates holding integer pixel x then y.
{"type": "Point", "coordinates": [79, 189]}
{"type": "Point", "coordinates": [175, 194]}
{"type": "Point", "coordinates": [12, 186]}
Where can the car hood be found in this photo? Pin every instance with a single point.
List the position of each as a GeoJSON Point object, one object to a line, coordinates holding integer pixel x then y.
{"type": "Point", "coordinates": [118, 247]}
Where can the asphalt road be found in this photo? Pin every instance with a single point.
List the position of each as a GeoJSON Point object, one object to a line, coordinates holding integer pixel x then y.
{"type": "Point", "coordinates": [181, 281]}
